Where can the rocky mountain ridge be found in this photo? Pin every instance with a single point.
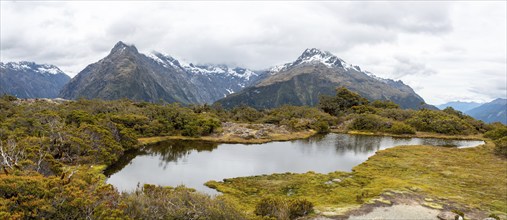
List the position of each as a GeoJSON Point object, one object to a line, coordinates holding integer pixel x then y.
{"type": "Point", "coordinates": [316, 73]}
{"type": "Point", "coordinates": [156, 77]}
{"type": "Point", "coordinates": [31, 80]}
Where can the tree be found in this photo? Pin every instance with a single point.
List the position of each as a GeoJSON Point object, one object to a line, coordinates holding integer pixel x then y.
{"type": "Point", "coordinates": [10, 154]}
{"type": "Point", "coordinates": [342, 102]}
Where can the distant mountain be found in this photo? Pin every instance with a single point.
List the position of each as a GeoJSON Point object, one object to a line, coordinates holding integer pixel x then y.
{"type": "Point", "coordinates": [494, 111]}
{"type": "Point", "coordinates": [214, 81]}
{"type": "Point", "coordinates": [316, 73]}
{"type": "Point", "coordinates": [30, 80]}
{"type": "Point", "coordinates": [460, 106]}
{"type": "Point", "coordinates": [126, 73]}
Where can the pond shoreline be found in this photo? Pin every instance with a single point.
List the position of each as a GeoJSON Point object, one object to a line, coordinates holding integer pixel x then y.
{"type": "Point", "coordinates": [232, 139]}
{"type": "Point", "coordinates": [241, 133]}
{"type": "Point", "coordinates": [417, 135]}
{"type": "Point", "coordinates": [335, 152]}
{"type": "Point", "coordinates": [348, 181]}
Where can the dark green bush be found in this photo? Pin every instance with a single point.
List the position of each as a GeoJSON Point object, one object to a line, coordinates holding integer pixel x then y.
{"type": "Point", "coordinates": [401, 128]}
{"type": "Point", "coordinates": [78, 116]}
{"type": "Point", "coordinates": [81, 196]}
{"type": "Point", "coordinates": [363, 109]}
{"type": "Point", "coordinates": [245, 114]}
{"type": "Point", "coordinates": [397, 114]}
{"type": "Point", "coordinates": [300, 118]}
{"type": "Point", "coordinates": [478, 125]}
{"type": "Point", "coordinates": [496, 133]}
{"type": "Point", "coordinates": [342, 102]}
{"type": "Point", "coordinates": [321, 126]}
{"type": "Point", "coordinates": [370, 122]}
{"type": "Point", "coordinates": [439, 122]}
{"type": "Point", "coordinates": [501, 146]}
{"type": "Point", "coordinates": [130, 120]}
{"type": "Point", "coordinates": [384, 104]}
{"type": "Point", "coordinates": [201, 125]}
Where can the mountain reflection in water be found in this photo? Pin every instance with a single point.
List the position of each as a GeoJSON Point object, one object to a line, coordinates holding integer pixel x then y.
{"type": "Point", "coordinates": [193, 163]}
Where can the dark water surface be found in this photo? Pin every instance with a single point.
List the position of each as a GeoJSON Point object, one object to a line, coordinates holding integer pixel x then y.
{"type": "Point", "coordinates": [193, 163]}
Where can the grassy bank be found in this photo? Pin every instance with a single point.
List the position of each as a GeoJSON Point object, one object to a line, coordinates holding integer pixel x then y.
{"type": "Point", "coordinates": [232, 138]}
{"type": "Point", "coordinates": [465, 179]}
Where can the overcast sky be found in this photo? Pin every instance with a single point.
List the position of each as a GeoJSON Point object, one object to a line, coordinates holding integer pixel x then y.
{"type": "Point", "coordinates": [444, 50]}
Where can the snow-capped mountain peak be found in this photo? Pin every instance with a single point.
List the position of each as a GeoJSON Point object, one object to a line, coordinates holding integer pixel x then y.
{"type": "Point", "coordinates": [31, 66]}
{"type": "Point", "coordinates": [315, 56]}
{"type": "Point", "coordinates": [201, 69]}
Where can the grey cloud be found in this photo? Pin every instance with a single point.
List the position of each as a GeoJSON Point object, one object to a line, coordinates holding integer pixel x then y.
{"type": "Point", "coordinates": [405, 16]}
{"type": "Point", "coordinates": [261, 34]}
{"type": "Point", "coordinates": [496, 91]}
{"type": "Point", "coordinates": [406, 67]}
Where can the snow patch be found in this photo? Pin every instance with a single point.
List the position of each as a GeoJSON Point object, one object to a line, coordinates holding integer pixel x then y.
{"type": "Point", "coordinates": [167, 60]}
{"type": "Point", "coordinates": [220, 70]}
{"type": "Point", "coordinates": [49, 69]}
{"type": "Point", "coordinates": [31, 66]}
{"type": "Point", "coordinates": [164, 60]}
{"type": "Point", "coordinates": [315, 56]}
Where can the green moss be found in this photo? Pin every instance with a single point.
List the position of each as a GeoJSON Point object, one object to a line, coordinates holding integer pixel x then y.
{"type": "Point", "coordinates": [433, 205]}
{"type": "Point", "coordinates": [466, 177]}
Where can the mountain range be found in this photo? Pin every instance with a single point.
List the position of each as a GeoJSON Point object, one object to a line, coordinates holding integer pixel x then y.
{"type": "Point", "coordinates": [494, 111]}
{"type": "Point", "coordinates": [460, 106]}
{"type": "Point", "coordinates": [155, 77]}
{"type": "Point", "coordinates": [126, 73]}
{"type": "Point", "coordinates": [31, 80]}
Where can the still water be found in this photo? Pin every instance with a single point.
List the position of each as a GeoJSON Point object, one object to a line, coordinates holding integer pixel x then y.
{"type": "Point", "coordinates": [192, 163]}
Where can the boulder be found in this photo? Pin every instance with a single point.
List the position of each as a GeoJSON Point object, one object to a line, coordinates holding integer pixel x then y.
{"type": "Point", "coordinates": [446, 215]}
{"type": "Point", "coordinates": [337, 180]}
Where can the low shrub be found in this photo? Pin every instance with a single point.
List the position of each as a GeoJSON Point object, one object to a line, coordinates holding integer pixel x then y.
{"type": "Point", "coordinates": [246, 114]}
{"type": "Point", "coordinates": [440, 122]}
{"type": "Point", "coordinates": [321, 126]}
{"type": "Point", "coordinates": [363, 109]}
{"type": "Point", "coordinates": [370, 122]}
{"type": "Point", "coordinates": [401, 128]}
{"type": "Point", "coordinates": [155, 202]}
{"type": "Point", "coordinates": [501, 146]}
{"type": "Point", "coordinates": [397, 114]}
{"type": "Point", "coordinates": [497, 133]}
{"type": "Point", "coordinates": [299, 208]}
{"type": "Point", "coordinates": [280, 208]}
